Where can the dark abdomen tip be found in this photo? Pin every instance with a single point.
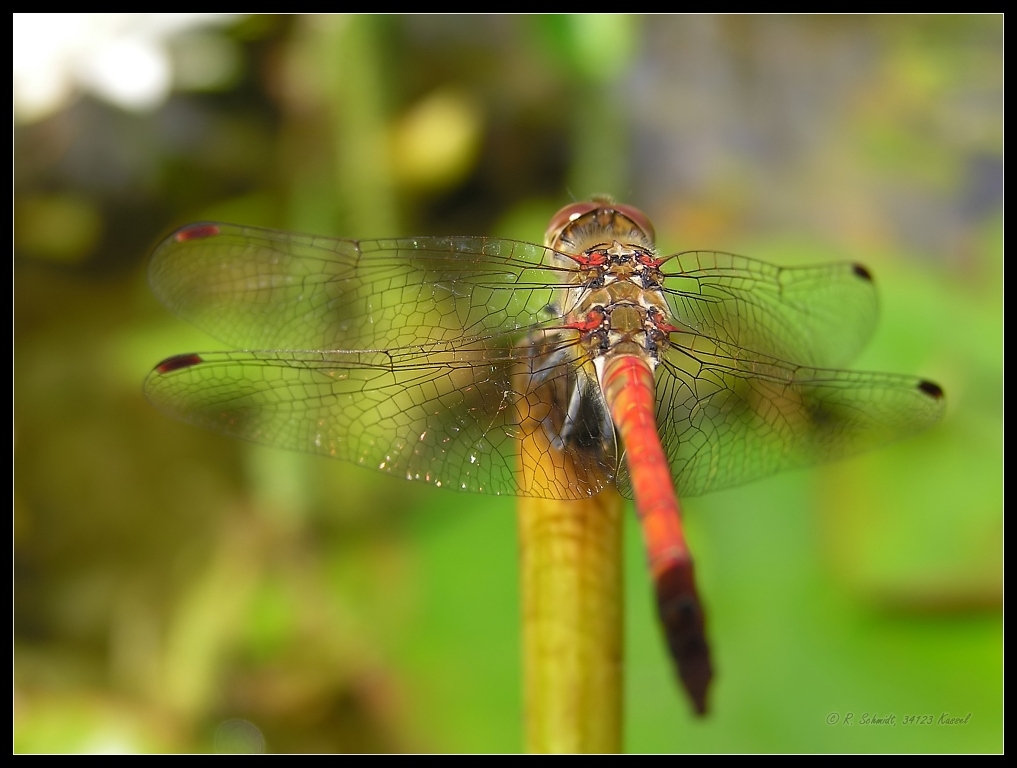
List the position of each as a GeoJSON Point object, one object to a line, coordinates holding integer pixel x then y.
{"type": "Point", "coordinates": [684, 624]}
{"type": "Point", "coordinates": [931, 389]}
{"type": "Point", "coordinates": [177, 362]}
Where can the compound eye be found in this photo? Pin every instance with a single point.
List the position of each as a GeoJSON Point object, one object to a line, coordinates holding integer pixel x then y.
{"type": "Point", "coordinates": [567, 215]}
{"type": "Point", "coordinates": [638, 218]}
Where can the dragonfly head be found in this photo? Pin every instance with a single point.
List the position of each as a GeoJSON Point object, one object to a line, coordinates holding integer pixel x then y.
{"type": "Point", "coordinates": [571, 228]}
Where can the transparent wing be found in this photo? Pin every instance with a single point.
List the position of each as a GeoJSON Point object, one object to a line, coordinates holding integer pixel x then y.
{"type": "Point", "coordinates": [727, 416]}
{"type": "Point", "coordinates": [263, 289]}
{"type": "Point", "coordinates": [454, 418]}
{"type": "Point", "coordinates": [820, 316]}
{"type": "Point", "coordinates": [444, 325]}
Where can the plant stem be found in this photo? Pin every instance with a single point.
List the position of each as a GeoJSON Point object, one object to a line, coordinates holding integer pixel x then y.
{"type": "Point", "coordinates": [571, 553]}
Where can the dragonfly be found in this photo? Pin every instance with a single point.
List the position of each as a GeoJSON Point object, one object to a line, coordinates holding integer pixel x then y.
{"type": "Point", "coordinates": [442, 359]}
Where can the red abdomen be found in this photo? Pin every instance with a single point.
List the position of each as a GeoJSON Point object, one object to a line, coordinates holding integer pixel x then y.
{"type": "Point", "coordinates": [628, 388]}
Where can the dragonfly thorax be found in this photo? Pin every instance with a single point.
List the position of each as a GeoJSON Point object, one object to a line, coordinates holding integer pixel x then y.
{"type": "Point", "coordinates": [619, 304]}
{"type": "Point", "coordinates": [614, 296]}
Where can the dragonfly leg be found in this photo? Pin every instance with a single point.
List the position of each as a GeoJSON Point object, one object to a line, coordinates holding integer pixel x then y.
{"type": "Point", "coordinates": [606, 427]}
{"type": "Point", "coordinates": [559, 438]}
{"type": "Point", "coordinates": [546, 367]}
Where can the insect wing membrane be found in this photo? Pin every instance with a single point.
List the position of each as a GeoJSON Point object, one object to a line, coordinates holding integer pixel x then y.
{"type": "Point", "coordinates": [446, 402]}
{"type": "Point", "coordinates": [263, 289]}
{"type": "Point", "coordinates": [453, 418]}
{"type": "Point", "coordinates": [819, 315]}
{"type": "Point", "coordinates": [727, 416]}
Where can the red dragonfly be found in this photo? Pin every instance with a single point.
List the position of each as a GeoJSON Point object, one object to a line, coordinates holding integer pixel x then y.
{"type": "Point", "coordinates": [431, 358]}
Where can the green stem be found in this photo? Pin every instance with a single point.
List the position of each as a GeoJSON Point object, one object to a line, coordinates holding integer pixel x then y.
{"type": "Point", "coordinates": [571, 558]}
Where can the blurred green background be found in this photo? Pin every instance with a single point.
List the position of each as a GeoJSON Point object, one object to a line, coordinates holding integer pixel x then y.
{"type": "Point", "coordinates": [175, 590]}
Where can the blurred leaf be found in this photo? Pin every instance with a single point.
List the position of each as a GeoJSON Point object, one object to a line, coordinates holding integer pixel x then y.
{"type": "Point", "coordinates": [435, 144]}
{"type": "Point", "coordinates": [595, 46]}
{"type": "Point", "coordinates": [61, 228]}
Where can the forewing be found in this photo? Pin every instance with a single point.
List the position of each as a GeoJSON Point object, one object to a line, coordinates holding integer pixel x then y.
{"type": "Point", "coordinates": [820, 316]}
{"type": "Point", "coordinates": [264, 289]}
{"type": "Point", "coordinates": [727, 417]}
{"type": "Point", "coordinates": [450, 418]}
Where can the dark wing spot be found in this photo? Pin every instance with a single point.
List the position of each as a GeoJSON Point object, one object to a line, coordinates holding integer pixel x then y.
{"type": "Point", "coordinates": [822, 416]}
{"type": "Point", "coordinates": [932, 390]}
{"type": "Point", "coordinates": [196, 232]}
{"type": "Point", "coordinates": [177, 362]}
{"type": "Point", "coordinates": [862, 272]}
